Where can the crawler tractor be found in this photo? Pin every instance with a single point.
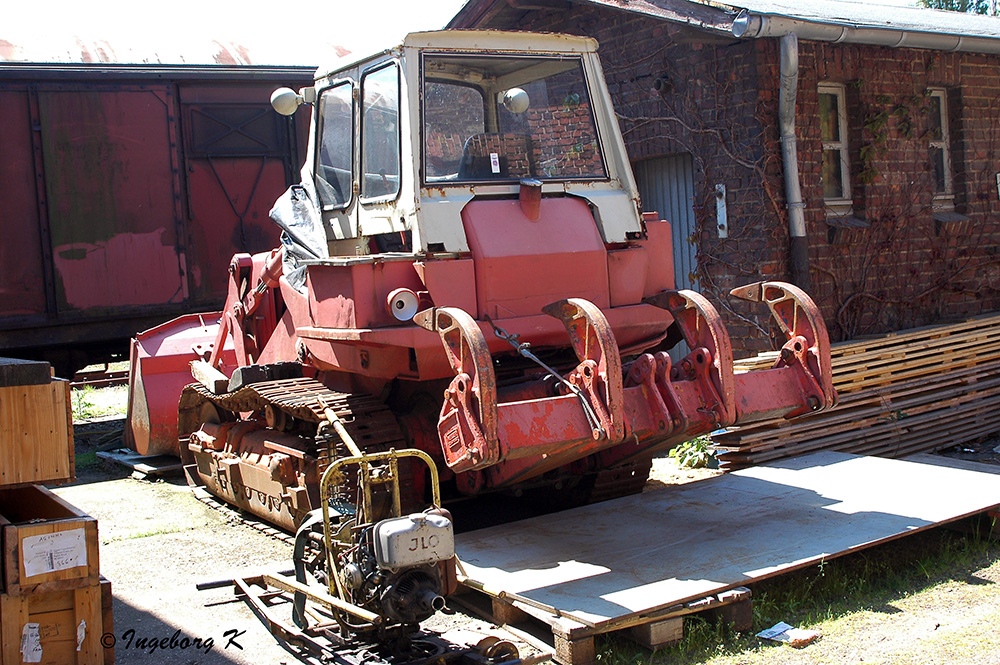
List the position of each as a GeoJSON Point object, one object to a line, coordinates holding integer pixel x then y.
{"type": "Point", "coordinates": [463, 270]}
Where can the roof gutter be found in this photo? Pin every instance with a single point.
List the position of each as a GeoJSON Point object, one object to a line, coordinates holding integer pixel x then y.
{"type": "Point", "coordinates": [753, 25]}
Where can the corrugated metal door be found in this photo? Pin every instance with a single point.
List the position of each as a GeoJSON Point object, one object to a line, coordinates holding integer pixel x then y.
{"type": "Point", "coordinates": [666, 185]}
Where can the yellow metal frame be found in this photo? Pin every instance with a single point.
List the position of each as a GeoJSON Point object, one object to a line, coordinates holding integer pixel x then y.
{"type": "Point", "coordinates": [333, 476]}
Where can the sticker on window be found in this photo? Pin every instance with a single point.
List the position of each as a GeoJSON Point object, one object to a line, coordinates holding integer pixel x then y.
{"type": "Point", "coordinates": [495, 162]}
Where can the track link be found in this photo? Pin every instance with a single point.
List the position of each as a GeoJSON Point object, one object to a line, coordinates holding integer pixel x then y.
{"type": "Point", "coordinates": [238, 480]}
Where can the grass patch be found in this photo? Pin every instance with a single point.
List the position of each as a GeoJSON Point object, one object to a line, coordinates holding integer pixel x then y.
{"type": "Point", "coordinates": [90, 403]}
{"type": "Point", "coordinates": [830, 593]}
{"type": "Point", "coordinates": [87, 461]}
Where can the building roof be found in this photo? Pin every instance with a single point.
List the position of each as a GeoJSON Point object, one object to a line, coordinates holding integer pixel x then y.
{"type": "Point", "coordinates": [818, 20]}
{"type": "Point", "coordinates": [125, 49]}
{"type": "Point", "coordinates": [876, 16]}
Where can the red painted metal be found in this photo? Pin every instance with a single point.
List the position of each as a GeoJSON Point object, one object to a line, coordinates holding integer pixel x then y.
{"type": "Point", "coordinates": [599, 374]}
{"type": "Point", "coordinates": [467, 427]}
{"type": "Point", "coordinates": [20, 252]}
{"type": "Point", "coordinates": [515, 278]}
{"type": "Point", "coordinates": [114, 244]}
{"type": "Point", "coordinates": [161, 366]}
{"type": "Point", "coordinates": [126, 188]}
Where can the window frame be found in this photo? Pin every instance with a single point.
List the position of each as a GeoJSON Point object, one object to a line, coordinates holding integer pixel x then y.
{"type": "Point", "coordinates": [424, 179]}
{"type": "Point", "coordinates": [374, 69]}
{"type": "Point", "coordinates": [324, 206]}
{"type": "Point", "coordinates": [943, 200]}
{"type": "Point", "coordinates": [490, 113]}
{"type": "Point", "coordinates": [843, 206]}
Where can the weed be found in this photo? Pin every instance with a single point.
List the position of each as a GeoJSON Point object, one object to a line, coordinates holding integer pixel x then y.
{"type": "Point", "coordinates": [87, 461]}
{"type": "Point", "coordinates": [696, 454]}
{"type": "Point", "coordinates": [90, 402]}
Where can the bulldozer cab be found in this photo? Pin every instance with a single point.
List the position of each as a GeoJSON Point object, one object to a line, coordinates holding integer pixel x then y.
{"type": "Point", "coordinates": [402, 140]}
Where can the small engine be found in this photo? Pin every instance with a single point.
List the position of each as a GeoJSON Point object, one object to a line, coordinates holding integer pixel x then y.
{"type": "Point", "coordinates": [396, 568]}
{"type": "Point", "coordinates": [389, 571]}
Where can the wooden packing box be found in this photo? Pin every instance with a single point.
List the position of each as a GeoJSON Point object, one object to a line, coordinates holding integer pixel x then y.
{"type": "Point", "coordinates": [66, 625]}
{"type": "Point", "coordinates": [36, 425]}
{"type": "Point", "coordinates": [46, 544]}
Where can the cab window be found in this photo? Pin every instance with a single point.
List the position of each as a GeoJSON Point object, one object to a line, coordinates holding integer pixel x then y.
{"type": "Point", "coordinates": [380, 153]}
{"type": "Point", "coordinates": [334, 172]}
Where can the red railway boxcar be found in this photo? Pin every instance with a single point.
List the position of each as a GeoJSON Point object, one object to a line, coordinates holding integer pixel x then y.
{"type": "Point", "coordinates": [124, 192]}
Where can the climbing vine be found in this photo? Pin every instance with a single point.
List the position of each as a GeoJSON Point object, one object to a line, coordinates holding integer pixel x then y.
{"type": "Point", "coordinates": [888, 266]}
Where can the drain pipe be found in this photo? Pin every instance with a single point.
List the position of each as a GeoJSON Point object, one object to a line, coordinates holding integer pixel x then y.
{"type": "Point", "coordinates": [799, 244]}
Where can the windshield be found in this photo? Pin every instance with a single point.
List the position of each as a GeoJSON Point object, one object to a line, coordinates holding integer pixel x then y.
{"type": "Point", "coordinates": [508, 118]}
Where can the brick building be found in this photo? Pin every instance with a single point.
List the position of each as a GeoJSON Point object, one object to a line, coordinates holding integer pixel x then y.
{"type": "Point", "coordinates": [884, 202]}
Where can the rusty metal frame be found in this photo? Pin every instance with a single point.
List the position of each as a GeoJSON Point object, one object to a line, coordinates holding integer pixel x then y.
{"type": "Point", "coordinates": [333, 476]}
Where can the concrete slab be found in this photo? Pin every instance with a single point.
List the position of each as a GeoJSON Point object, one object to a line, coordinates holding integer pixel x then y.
{"type": "Point", "coordinates": [608, 563]}
{"type": "Point", "coordinates": [157, 542]}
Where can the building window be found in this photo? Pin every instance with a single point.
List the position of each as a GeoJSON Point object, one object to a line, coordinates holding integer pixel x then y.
{"type": "Point", "coordinates": [836, 174]}
{"type": "Point", "coordinates": [940, 152]}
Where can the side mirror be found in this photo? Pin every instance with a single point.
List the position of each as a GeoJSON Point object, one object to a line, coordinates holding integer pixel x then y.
{"type": "Point", "coordinates": [285, 100]}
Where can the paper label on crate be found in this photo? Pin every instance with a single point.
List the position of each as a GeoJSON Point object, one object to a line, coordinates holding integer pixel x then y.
{"type": "Point", "coordinates": [495, 162]}
{"type": "Point", "coordinates": [50, 552]}
{"type": "Point", "coordinates": [31, 644]}
{"type": "Point", "coordinates": [81, 633]}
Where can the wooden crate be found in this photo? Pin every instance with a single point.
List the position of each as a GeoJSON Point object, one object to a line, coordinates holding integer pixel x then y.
{"type": "Point", "coordinates": [36, 425]}
{"type": "Point", "coordinates": [107, 620]}
{"type": "Point", "coordinates": [46, 544]}
{"type": "Point", "coordinates": [68, 625]}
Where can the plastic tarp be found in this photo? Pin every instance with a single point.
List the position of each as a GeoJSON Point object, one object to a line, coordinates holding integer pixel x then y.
{"type": "Point", "coordinates": [302, 234]}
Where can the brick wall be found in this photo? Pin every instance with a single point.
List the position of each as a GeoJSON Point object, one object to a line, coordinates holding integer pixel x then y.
{"type": "Point", "coordinates": [719, 102]}
{"type": "Point", "coordinates": [905, 269]}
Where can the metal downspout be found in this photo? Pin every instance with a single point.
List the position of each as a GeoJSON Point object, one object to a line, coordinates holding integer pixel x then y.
{"type": "Point", "coordinates": [799, 246]}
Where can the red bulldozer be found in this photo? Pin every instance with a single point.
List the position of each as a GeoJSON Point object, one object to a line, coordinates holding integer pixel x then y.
{"type": "Point", "coordinates": [464, 270]}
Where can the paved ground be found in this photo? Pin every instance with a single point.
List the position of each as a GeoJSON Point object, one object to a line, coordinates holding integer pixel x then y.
{"type": "Point", "coordinates": [157, 542]}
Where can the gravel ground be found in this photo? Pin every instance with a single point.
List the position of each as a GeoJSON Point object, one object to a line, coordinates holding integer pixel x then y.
{"type": "Point", "coordinates": [157, 541]}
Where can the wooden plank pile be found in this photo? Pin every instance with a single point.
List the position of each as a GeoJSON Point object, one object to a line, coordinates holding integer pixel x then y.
{"type": "Point", "coordinates": [907, 392]}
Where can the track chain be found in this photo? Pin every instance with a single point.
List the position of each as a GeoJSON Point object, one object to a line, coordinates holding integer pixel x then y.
{"type": "Point", "coordinates": [367, 419]}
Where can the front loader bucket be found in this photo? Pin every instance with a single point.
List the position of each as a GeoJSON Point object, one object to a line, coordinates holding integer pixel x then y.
{"type": "Point", "coordinates": [160, 368]}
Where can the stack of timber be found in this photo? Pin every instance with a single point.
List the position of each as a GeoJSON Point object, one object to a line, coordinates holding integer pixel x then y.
{"type": "Point", "coordinates": [54, 605]}
{"type": "Point", "coordinates": [908, 392]}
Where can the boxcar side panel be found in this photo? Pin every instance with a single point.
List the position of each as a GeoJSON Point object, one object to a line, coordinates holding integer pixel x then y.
{"type": "Point", "coordinates": [111, 193]}
{"type": "Point", "coordinates": [22, 287]}
{"type": "Point", "coordinates": [236, 156]}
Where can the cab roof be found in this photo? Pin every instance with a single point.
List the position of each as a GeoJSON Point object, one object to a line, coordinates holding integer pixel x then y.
{"type": "Point", "coordinates": [493, 41]}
